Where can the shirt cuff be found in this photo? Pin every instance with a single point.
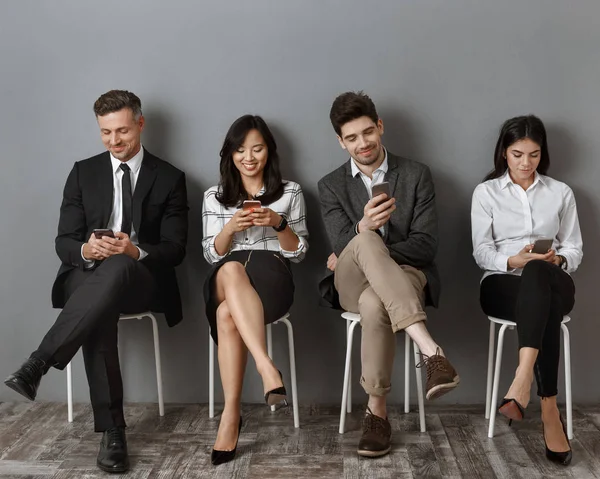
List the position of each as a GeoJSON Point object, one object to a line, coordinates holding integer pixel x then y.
{"type": "Point", "coordinates": [294, 254]}
{"type": "Point", "coordinates": [87, 263]}
{"type": "Point", "coordinates": [142, 255]}
{"type": "Point", "coordinates": [501, 262]}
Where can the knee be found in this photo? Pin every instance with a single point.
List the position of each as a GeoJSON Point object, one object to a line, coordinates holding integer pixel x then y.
{"type": "Point", "coordinates": [225, 324]}
{"type": "Point", "coordinates": [232, 270]}
{"type": "Point", "coordinates": [536, 268]}
{"type": "Point", "coordinates": [367, 239]}
{"type": "Point", "coordinates": [372, 312]}
{"type": "Point", "coordinates": [119, 263]}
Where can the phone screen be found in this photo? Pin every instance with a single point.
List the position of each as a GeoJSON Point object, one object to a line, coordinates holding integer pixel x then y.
{"type": "Point", "coordinates": [99, 233]}
{"type": "Point", "coordinates": [542, 246]}
{"type": "Point", "coordinates": [251, 204]}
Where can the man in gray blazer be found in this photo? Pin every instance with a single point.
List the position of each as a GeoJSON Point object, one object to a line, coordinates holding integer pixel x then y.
{"type": "Point", "coordinates": [384, 240]}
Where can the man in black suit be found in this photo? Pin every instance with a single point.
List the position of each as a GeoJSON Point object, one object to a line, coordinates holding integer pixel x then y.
{"type": "Point", "coordinates": [380, 217]}
{"type": "Point", "coordinates": [143, 200]}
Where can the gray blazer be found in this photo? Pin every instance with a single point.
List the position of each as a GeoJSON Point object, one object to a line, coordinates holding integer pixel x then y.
{"type": "Point", "coordinates": [411, 233]}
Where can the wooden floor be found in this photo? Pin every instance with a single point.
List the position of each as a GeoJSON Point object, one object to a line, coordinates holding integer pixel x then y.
{"type": "Point", "coordinates": [37, 442]}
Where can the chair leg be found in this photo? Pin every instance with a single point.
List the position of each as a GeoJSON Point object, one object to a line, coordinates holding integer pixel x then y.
{"type": "Point", "coordinates": [349, 408]}
{"type": "Point", "coordinates": [211, 376]}
{"type": "Point", "coordinates": [346, 377]}
{"type": "Point", "coordinates": [69, 394]}
{"type": "Point", "coordinates": [270, 348]}
{"type": "Point", "coordinates": [568, 392]}
{"type": "Point", "coordinates": [496, 380]}
{"type": "Point", "coordinates": [292, 351]}
{"type": "Point", "coordinates": [490, 370]}
{"type": "Point", "coordinates": [161, 402]}
{"type": "Point", "coordinates": [419, 377]}
{"type": "Point", "coordinates": [407, 373]}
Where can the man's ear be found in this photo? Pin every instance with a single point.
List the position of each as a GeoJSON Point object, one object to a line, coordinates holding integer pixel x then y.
{"type": "Point", "coordinates": [339, 138]}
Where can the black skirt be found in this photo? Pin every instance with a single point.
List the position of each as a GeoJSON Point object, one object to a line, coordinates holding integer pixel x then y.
{"type": "Point", "coordinates": [270, 275]}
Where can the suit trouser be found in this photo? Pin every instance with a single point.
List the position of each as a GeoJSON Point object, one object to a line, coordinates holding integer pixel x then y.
{"type": "Point", "coordinates": [537, 301]}
{"type": "Point", "coordinates": [389, 297]}
{"type": "Point", "coordinates": [89, 320]}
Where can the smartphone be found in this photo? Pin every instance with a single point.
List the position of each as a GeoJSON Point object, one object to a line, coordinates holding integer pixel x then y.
{"type": "Point", "coordinates": [542, 246]}
{"type": "Point", "coordinates": [99, 233]}
{"type": "Point", "coordinates": [251, 204]}
{"type": "Point", "coordinates": [383, 187]}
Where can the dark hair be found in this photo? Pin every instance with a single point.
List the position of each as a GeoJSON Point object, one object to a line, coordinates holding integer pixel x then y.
{"type": "Point", "coordinates": [116, 100]}
{"type": "Point", "coordinates": [232, 191]}
{"type": "Point", "coordinates": [516, 129]}
{"type": "Point", "coordinates": [350, 106]}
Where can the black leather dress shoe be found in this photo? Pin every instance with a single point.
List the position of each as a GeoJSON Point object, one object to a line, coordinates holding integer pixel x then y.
{"type": "Point", "coordinates": [26, 379]}
{"type": "Point", "coordinates": [113, 451]}
{"type": "Point", "coordinates": [377, 436]}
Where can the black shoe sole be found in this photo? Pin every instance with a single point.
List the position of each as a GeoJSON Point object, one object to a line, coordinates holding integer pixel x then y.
{"type": "Point", "coordinates": [366, 453]}
{"type": "Point", "coordinates": [113, 470]}
{"type": "Point", "coordinates": [15, 386]}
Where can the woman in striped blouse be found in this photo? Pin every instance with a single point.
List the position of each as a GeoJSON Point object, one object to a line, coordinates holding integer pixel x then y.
{"type": "Point", "coordinates": [254, 225]}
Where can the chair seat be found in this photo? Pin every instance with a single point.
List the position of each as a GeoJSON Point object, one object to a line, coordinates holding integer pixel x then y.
{"type": "Point", "coordinates": [566, 319]}
{"type": "Point", "coordinates": [351, 316]}
{"type": "Point", "coordinates": [124, 317]}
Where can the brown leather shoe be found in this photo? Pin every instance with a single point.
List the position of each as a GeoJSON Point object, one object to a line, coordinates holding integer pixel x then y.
{"type": "Point", "coordinates": [376, 437]}
{"type": "Point", "coordinates": [441, 376]}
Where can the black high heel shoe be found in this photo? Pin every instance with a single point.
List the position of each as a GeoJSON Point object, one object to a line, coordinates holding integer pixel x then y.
{"type": "Point", "coordinates": [221, 457]}
{"type": "Point", "coordinates": [511, 409]}
{"type": "Point", "coordinates": [277, 395]}
{"type": "Point", "coordinates": [563, 458]}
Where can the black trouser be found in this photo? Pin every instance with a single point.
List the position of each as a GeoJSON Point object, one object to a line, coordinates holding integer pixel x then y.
{"type": "Point", "coordinates": [89, 320]}
{"type": "Point", "coordinates": [537, 301]}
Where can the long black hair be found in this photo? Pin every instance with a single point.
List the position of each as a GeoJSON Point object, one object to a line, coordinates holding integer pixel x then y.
{"type": "Point", "coordinates": [516, 129]}
{"type": "Point", "coordinates": [232, 192]}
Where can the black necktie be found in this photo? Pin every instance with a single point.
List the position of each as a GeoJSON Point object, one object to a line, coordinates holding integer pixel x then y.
{"type": "Point", "coordinates": [127, 197]}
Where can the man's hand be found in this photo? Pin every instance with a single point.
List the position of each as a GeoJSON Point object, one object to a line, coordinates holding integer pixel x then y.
{"type": "Point", "coordinates": [377, 212]}
{"type": "Point", "coordinates": [96, 249]}
{"type": "Point", "coordinates": [332, 262]}
{"type": "Point", "coordinates": [100, 249]}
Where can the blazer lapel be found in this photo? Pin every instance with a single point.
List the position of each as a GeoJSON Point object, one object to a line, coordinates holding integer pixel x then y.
{"type": "Point", "coordinates": [106, 184]}
{"type": "Point", "coordinates": [142, 187]}
{"type": "Point", "coordinates": [359, 196]}
{"type": "Point", "coordinates": [392, 175]}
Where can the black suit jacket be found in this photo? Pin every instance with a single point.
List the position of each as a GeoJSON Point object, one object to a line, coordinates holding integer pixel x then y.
{"type": "Point", "coordinates": [160, 218]}
{"type": "Point", "coordinates": [410, 234]}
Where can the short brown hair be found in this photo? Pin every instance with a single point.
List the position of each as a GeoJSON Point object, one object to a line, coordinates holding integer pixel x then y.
{"type": "Point", "coordinates": [116, 100]}
{"type": "Point", "coordinates": [350, 106]}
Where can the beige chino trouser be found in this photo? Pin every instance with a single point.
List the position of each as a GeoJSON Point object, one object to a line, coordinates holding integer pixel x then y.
{"type": "Point", "coordinates": [389, 297]}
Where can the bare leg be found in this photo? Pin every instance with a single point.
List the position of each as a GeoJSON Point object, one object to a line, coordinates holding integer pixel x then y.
{"type": "Point", "coordinates": [232, 363]}
{"type": "Point", "coordinates": [245, 308]}
{"type": "Point", "coordinates": [420, 335]}
{"type": "Point", "coordinates": [377, 405]}
{"type": "Point", "coordinates": [553, 430]}
{"type": "Point", "coordinates": [520, 389]}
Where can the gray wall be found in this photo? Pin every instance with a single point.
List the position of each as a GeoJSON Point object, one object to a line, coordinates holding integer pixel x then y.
{"type": "Point", "coordinates": [444, 76]}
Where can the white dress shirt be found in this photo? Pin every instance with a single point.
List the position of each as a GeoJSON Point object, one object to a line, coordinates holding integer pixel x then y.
{"type": "Point", "coordinates": [291, 205]}
{"type": "Point", "coordinates": [505, 218]}
{"type": "Point", "coordinates": [116, 216]}
{"type": "Point", "coordinates": [378, 177]}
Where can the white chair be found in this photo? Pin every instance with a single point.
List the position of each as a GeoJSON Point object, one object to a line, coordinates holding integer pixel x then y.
{"type": "Point", "coordinates": [352, 319]}
{"type": "Point", "coordinates": [211, 367]}
{"type": "Point", "coordinates": [491, 398]}
{"type": "Point", "coordinates": [124, 317]}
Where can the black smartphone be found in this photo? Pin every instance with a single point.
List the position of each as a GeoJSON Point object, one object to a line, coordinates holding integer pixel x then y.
{"type": "Point", "coordinates": [99, 233]}
{"type": "Point", "coordinates": [379, 188]}
{"type": "Point", "coordinates": [542, 246]}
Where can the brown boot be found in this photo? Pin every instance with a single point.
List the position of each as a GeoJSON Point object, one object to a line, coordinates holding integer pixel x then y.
{"type": "Point", "coordinates": [441, 376]}
{"type": "Point", "coordinates": [376, 437]}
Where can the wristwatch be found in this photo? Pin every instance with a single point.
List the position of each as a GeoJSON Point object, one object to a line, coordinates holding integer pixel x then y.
{"type": "Point", "coordinates": [563, 262]}
{"type": "Point", "coordinates": [281, 225]}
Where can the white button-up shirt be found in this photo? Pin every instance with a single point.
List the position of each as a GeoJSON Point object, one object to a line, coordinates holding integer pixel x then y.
{"type": "Point", "coordinates": [378, 177]}
{"type": "Point", "coordinates": [505, 218]}
{"type": "Point", "coordinates": [291, 205]}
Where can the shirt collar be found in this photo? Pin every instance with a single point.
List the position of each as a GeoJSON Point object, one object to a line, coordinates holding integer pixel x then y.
{"type": "Point", "coordinates": [134, 163]}
{"type": "Point", "coordinates": [505, 180]}
{"type": "Point", "coordinates": [383, 167]}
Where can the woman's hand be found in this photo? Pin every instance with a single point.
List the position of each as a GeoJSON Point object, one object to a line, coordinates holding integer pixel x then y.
{"type": "Point", "coordinates": [525, 256]}
{"type": "Point", "coordinates": [240, 221]}
{"type": "Point", "coordinates": [265, 217]}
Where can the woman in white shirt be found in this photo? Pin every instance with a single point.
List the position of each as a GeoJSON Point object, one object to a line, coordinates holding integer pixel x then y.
{"type": "Point", "coordinates": [515, 206]}
{"type": "Point", "coordinates": [251, 282]}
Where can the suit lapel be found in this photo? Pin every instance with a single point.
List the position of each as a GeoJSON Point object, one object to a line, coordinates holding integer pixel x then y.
{"type": "Point", "coordinates": [106, 184]}
{"type": "Point", "coordinates": [359, 196]}
{"type": "Point", "coordinates": [392, 175]}
{"type": "Point", "coordinates": [142, 187]}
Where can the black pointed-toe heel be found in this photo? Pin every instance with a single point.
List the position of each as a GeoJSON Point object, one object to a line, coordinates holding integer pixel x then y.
{"type": "Point", "coordinates": [277, 395]}
{"type": "Point", "coordinates": [511, 409]}
{"type": "Point", "coordinates": [221, 457]}
{"type": "Point", "coordinates": [563, 458]}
